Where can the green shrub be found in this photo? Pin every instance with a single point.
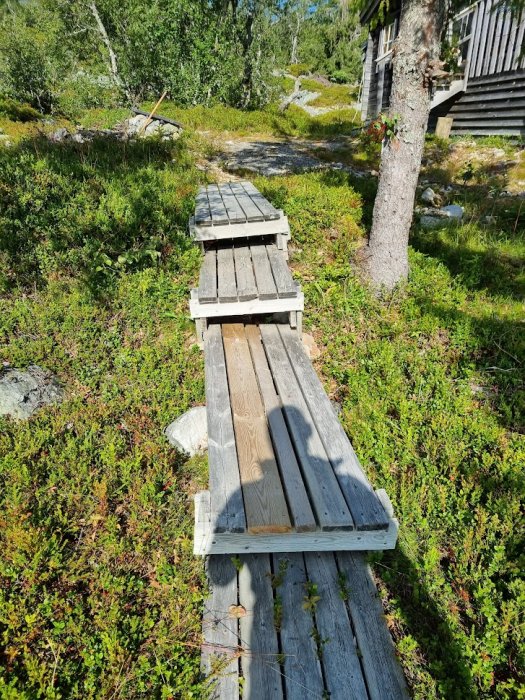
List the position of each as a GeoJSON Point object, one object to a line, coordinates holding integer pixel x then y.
{"type": "Point", "coordinates": [18, 112]}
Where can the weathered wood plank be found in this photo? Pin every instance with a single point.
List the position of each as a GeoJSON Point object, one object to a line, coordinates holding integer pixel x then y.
{"type": "Point", "coordinates": [383, 673]}
{"type": "Point", "coordinates": [225, 483]}
{"type": "Point", "coordinates": [262, 490]}
{"type": "Point", "coordinates": [246, 229]}
{"type": "Point", "coordinates": [483, 28]}
{"type": "Point", "coordinates": [302, 516]}
{"type": "Point", "coordinates": [260, 660]}
{"type": "Point", "coordinates": [220, 630]}
{"type": "Point", "coordinates": [496, 47]}
{"type": "Point", "coordinates": [503, 42]}
{"type": "Point", "coordinates": [226, 286]}
{"type": "Point", "coordinates": [518, 47]}
{"type": "Point", "coordinates": [253, 213]}
{"type": "Point", "coordinates": [263, 272]}
{"type": "Point", "coordinates": [510, 46]}
{"type": "Point", "coordinates": [284, 282]}
{"type": "Point", "coordinates": [303, 677]}
{"type": "Point", "coordinates": [491, 20]}
{"type": "Point", "coordinates": [266, 208]}
{"type": "Point", "coordinates": [202, 208]}
{"type": "Point", "coordinates": [316, 541]}
{"type": "Point", "coordinates": [342, 670]}
{"type": "Point", "coordinates": [367, 511]}
{"type": "Point", "coordinates": [208, 278]}
{"type": "Point", "coordinates": [325, 494]}
{"type": "Point", "coordinates": [245, 308]}
{"type": "Point", "coordinates": [219, 215]}
{"type": "Point", "coordinates": [234, 211]}
{"type": "Point", "coordinates": [246, 287]}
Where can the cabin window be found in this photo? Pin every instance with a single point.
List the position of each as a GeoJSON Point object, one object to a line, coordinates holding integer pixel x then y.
{"type": "Point", "coordinates": [388, 35]}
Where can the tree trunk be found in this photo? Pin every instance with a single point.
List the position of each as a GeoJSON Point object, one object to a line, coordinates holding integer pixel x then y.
{"type": "Point", "coordinates": [247, 40]}
{"type": "Point", "coordinates": [415, 57]}
{"type": "Point", "coordinates": [112, 59]}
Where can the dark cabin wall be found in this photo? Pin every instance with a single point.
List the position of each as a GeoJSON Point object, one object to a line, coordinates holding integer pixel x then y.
{"type": "Point", "coordinates": [491, 105]}
{"type": "Point", "coordinates": [494, 101]}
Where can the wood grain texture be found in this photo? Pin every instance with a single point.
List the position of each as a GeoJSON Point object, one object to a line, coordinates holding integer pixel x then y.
{"type": "Point", "coordinates": [219, 215]}
{"type": "Point", "coordinates": [264, 501]}
{"type": "Point", "coordinates": [206, 541]}
{"type": "Point", "coordinates": [225, 483]}
{"type": "Point", "coordinates": [253, 213]}
{"type": "Point", "coordinates": [226, 284]}
{"type": "Point", "coordinates": [298, 502]}
{"type": "Point", "coordinates": [240, 229]}
{"type": "Point", "coordinates": [367, 511]}
{"type": "Point", "coordinates": [266, 288]}
{"type": "Point", "coordinates": [342, 670]}
{"type": "Point", "coordinates": [244, 308]}
{"type": "Point", "coordinates": [260, 660]}
{"type": "Point", "coordinates": [202, 208]}
{"type": "Point", "coordinates": [220, 630]}
{"type": "Point", "coordinates": [282, 276]}
{"type": "Point", "coordinates": [330, 507]}
{"type": "Point", "coordinates": [207, 291]}
{"type": "Point", "coordinates": [234, 211]}
{"type": "Point", "coordinates": [303, 677]}
{"type": "Point", "coordinates": [384, 677]}
{"type": "Point", "coordinates": [246, 287]}
{"type": "Point", "coordinates": [267, 210]}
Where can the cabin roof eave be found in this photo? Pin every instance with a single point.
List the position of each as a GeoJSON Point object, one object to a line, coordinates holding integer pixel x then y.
{"type": "Point", "coordinates": [368, 11]}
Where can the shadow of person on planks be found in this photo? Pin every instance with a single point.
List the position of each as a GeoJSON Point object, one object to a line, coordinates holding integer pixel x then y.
{"type": "Point", "coordinates": [243, 614]}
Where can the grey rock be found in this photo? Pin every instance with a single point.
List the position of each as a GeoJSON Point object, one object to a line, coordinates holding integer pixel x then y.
{"type": "Point", "coordinates": [59, 135]}
{"type": "Point", "coordinates": [428, 221]}
{"type": "Point", "coordinates": [23, 393]}
{"type": "Point", "coordinates": [453, 211]}
{"type": "Point", "coordinates": [428, 195]}
{"type": "Point", "coordinates": [78, 137]}
{"type": "Point", "coordinates": [189, 433]}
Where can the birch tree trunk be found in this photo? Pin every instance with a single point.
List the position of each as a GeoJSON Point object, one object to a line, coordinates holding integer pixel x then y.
{"type": "Point", "coordinates": [112, 59]}
{"type": "Point", "coordinates": [415, 58]}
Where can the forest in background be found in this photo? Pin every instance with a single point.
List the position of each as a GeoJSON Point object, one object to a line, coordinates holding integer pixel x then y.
{"type": "Point", "coordinates": [62, 57]}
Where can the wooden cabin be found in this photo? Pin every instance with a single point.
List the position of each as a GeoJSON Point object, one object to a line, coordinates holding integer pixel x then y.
{"type": "Point", "coordinates": [484, 93]}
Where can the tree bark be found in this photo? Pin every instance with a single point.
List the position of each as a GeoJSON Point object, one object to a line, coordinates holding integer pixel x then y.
{"type": "Point", "coordinates": [415, 57]}
{"type": "Point", "coordinates": [112, 59]}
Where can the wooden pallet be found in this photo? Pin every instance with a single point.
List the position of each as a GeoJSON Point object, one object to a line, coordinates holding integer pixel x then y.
{"type": "Point", "coordinates": [297, 626]}
{"type": "Point", "coordinates": [283, 474]}
{"type": "Point", "coordinates": [245, 280]}
{"type": "Point", "coordinates": [237, 210]}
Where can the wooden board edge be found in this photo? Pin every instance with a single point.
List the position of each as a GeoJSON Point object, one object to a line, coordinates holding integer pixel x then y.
{"type": "Point", "coordinates": [206, 542]}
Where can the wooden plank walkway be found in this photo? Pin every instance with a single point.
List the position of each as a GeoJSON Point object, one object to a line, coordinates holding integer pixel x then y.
{"type": "Point", "coordinates": [245, 280]}
{"type": "Point", "coordinates": [297, 626]}
{"type": "Point", "coordinates": [296, 614]}
{"type": "Point", "coordinates": [237, 210]}
{"type": "Point", "coordinates": [280, 454]}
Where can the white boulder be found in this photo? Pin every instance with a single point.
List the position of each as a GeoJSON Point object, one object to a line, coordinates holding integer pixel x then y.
{"type": "Point", "coordinates": [189, 433]}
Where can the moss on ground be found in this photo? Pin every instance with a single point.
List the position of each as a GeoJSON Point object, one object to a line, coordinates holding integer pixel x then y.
{"type": "Point", "coordinates": [100, 594]}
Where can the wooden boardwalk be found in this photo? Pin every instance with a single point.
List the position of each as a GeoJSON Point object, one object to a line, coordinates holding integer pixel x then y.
{"type": "Point", "coordinates": [283, 474]}
{"type": "Point", "coordinates": [297, 626]}
{"type": "Point", "coordinates": [237, 210]}
{"type": "Point", "coordinates": [245, 280]}
{"type": "Point", "coordinates": [295, 613]}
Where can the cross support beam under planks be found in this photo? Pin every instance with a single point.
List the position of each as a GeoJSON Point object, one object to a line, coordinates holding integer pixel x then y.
{"type": "Point", "coordinates": [285, 471]}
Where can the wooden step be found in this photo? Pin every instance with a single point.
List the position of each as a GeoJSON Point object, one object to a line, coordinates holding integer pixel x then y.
{"type": "Point", "coordinates": [236, 210]}
{"type": "Point", "coordinates": [277, 448]}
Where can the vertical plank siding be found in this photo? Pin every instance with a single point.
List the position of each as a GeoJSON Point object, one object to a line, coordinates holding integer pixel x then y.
{"type": "Point", "coordinates": [497, 40]}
